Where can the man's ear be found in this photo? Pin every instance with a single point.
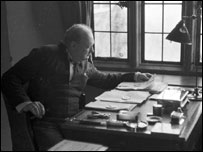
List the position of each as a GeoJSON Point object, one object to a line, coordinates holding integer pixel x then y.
{"type": "Point", "coordinates": [90, 58]}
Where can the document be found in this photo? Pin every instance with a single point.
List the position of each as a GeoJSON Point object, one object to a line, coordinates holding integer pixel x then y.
{"type": "Point", "coordinates": [110, 106]}
{"type": "Point", "coordinates": [121, 96]}
{"type": "Point", "coordinates": [151, 85]}
{"type": "Point", "coordinates": [136, 85]}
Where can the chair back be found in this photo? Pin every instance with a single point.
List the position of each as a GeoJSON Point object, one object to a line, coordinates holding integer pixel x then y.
{"type": "Point", "coordinates": [21, 129]}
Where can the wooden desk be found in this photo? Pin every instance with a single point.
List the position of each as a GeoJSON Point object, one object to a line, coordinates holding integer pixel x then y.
{"type": "Point", "coordinates": [123, 139]}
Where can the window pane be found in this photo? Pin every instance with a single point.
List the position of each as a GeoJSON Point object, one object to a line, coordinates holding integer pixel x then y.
{"type": "Point", "coordinates": [101, 17]}
{"type": "Point", "coordinates": [200, 49]}
{"type": "Point", "coordinates": [114, 1]}
{"type": "Point", "coordinates": [172, 1]}
{"type": "Point", "coordinates": [101, 1]}
{"type": "Point", "coordinates": [153, 47]}
{"type": "Point", "coordinates": [102, 44]}
{"type": "Point", "coordinates": [153, 18]}
{"type": "Point", "coordinates": [200, 41]}
{"type": "Point", "coordinates": [119, 45]}
{"type": "Point", "coordinates": [201, 26]}
{"type": "Point", "coordinates": [118, 18]}
{"type": "Point", "coordinates": [153, 1]}
{"type": "Point", "coordinates": [172, 15]}
{"type": "Point", "coordinates": [171, 50]}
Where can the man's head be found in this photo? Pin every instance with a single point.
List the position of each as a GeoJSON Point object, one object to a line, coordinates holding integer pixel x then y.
{"type": "Point", "coordinates": [79, 41]}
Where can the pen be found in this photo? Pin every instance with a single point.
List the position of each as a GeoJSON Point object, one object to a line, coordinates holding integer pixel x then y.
{"type": "Point", "coordinates": [88, 122]}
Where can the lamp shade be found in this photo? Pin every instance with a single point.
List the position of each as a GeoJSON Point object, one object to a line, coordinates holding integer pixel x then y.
{"type": "Point", "coordinates": [180, 34]}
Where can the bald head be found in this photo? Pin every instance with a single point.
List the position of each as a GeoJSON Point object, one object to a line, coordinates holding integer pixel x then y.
{"type": "Point", "coordinates": [79, 41]}
{"type": "Point", "coordinates": [78, 32]}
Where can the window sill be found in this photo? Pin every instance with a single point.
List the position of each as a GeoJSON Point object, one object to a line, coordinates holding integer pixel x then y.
{"type": "Point", "coordinates": [145, 67]}
{"type": "Point", "coordinates": [176, 80]}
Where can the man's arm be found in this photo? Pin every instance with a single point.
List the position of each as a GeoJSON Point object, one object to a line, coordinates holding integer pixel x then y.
{"type": "Point", "coordinates": [14, 79]}
{"type": "Point", "coordinates": [111, 80]}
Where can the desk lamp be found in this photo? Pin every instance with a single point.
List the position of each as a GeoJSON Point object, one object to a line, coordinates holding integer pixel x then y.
{"type": "Point", "coordinates": [180, 34]}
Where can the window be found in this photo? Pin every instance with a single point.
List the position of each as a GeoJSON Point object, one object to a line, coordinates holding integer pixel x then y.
{"type": "Point", "coordinates": [132, 38]}
{"type": "Point", "coordinates": [159, 18]}
{"type": "Point", "coordinates": [110, 30]}
{"type": "Point", "coordinates": [200, 40]}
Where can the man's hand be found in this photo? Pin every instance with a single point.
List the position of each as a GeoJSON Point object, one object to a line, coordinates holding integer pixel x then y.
{"type": "Point", "coordinates": [140, 77]}
{"type": "Point", "coordinates": [36, 108]}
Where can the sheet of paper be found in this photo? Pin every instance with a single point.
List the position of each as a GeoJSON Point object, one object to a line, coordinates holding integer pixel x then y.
{"type": "Point", "coordinates": [70, 145]}
{"type": "Point", "coordinates": [110, 106]}
{"type": "Point", "coordinates": [124, 96]}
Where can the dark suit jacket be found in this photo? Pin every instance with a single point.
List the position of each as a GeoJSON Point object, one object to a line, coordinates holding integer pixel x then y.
{"type": "Point", "coordinates": [45, 65]}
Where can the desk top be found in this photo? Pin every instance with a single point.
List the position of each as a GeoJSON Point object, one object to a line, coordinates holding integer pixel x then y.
{"type": "Point", "coordinates": [174, 133]}
{"type": "Point", "coordinates": [192, 113]}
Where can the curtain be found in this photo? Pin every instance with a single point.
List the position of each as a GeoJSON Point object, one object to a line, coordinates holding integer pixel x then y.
{"type": "Point", "coordinates": [73, 12]}
{"type": "Point", "coordinates": [86, 12]}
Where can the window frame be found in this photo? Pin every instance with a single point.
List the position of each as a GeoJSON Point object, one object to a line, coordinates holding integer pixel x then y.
{"type": "Point", "coordinates": [161, 33]}
{"type": "Point", "coordinates": [134, 62]}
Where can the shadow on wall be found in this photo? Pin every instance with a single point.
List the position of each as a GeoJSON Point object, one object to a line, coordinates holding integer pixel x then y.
{"type": "Point", "coordinates": [47, 21]}
{"type": "Point", "coordinates": [69, 13]}
{"type": "Point", "coordinates": [52, 18]}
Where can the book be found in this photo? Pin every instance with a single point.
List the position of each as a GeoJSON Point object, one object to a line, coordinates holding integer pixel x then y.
{"type": "Point", "coordinates": [121, 96]}
{"type": "Point", "coordinates": [113, 106]}
{"type": "Point", "coordinates": [71, 145]}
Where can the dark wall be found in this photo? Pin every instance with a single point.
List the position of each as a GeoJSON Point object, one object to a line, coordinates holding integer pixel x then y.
{"type": "Point", "coordinates": [31, 24]}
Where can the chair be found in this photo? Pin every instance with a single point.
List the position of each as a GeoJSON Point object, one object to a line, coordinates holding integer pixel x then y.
{"type": "Point", "coordinates": [21, 127]}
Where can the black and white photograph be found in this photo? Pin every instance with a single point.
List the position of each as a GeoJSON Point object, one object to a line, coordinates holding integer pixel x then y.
{"type": "Point", "coordinates": [101, 75]}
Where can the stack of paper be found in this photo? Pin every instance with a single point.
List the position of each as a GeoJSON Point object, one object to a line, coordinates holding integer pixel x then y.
{"type": "Point", "coordinates": [110, 106]}
{"type": "Point", "coordinates": [124, 96]}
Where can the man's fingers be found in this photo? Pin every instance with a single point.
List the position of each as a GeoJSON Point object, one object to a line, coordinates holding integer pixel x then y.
{"type": "Point", "coordinates": [36, 110]}
{"type": "Point", "coordinates": [143, 77]}
{"type": "Point", "coordinates": [41, 108]}
{"type": "Point", "coordinates": [148, 75]}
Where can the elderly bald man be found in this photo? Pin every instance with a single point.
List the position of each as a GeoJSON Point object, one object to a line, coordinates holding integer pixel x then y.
{"type": "Point", "coordinates": [57, 75]}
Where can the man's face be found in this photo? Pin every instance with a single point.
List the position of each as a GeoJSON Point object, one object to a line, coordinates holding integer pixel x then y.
{"type": "Point", "coordinates": [81, 51]}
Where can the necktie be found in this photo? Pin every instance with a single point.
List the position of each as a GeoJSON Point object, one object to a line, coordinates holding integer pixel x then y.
{"type": "Point", "coordinates": [77, 68]}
